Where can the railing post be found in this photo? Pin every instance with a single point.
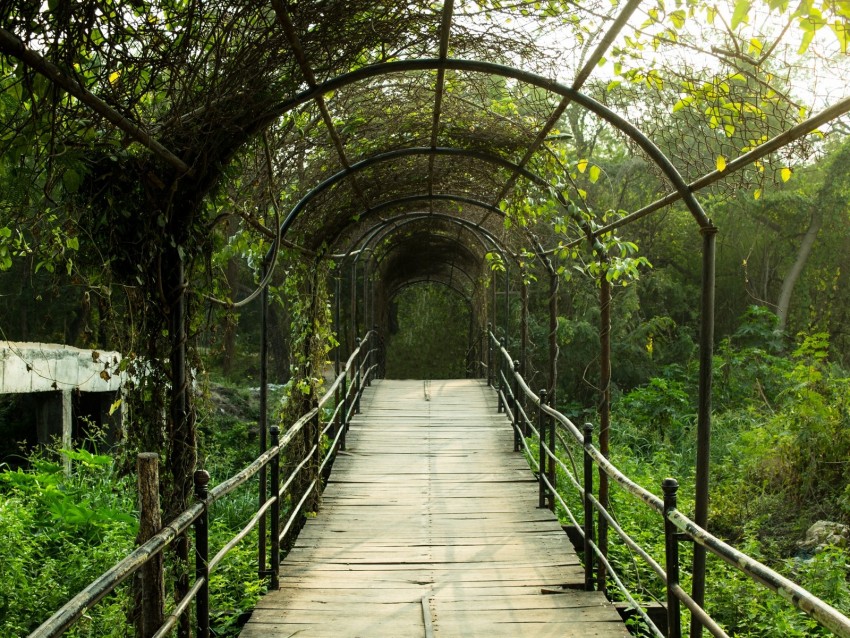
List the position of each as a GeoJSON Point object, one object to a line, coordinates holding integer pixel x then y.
{"type": "Point", "coordinates": [671, 549]}
{"type": "Point", "coordinates": [541, 476]}
{"type": "Point", "coordinates": [317, 454]}
{"type": "Point", "coordinates": [551, 467]}
{"type": "Point", "coordinates": [202, 555]}
{"type": "Point", "coordinates": [502, 389]}
{"type": "Point", "coordinates": [150, 584]}
{"type": "Point", "coordinates": [275, 513]}
{"type": "Point", "coordinates": [588, 508]}
{"type": "Point", "coordinates": [343, 410]}
{"type": "Point", "coordinates": [489, 354]}
{"type": "Point", "coordinates": [358, 343]}
{"type": "Point", "coordinates": [517, 441]}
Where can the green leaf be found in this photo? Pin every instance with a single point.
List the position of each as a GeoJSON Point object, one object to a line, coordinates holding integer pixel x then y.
{"type": "Point", "coordinates": [71, 180]}
{"type": "Point", "coordinates": [742, 8]}
{"type": "Point", "coordinates": [582, 165]}
{"type": "Point", "coordinates": [594, 173]}
{"type": "Point", "coordinates": [808, 36]}
{"type": "Point", "coordinates": [678, 106]}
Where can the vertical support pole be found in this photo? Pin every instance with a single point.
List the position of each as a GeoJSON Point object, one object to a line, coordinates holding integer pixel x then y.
{"type": "Point", "coordinates": [706, 354]}
{"type": "Point", "coordinates": [67, 428]}
{"type": "Point", "coordinates": [489, 354]}
{"type": "Point", "coordinates": [516, 423]}
{"type": "Point", "coordinates": [150, 583]}
{"type": "Point", "coordinates": [202, 552]}
{"type": "Point", "coordinates": [317, 454]}
{"type": "Point", "coordinates": [274, 532]}
{"type": "Point", "coordinates": [181, 461]}
{"type": "Point", "coordinates": [343, 410]}
{"type": "Point", "coordinates": [541, 454]}
{"type": "Point", "coordinates": [671, 549]}
{"type": "Point", "coordinates": [588, 508]}
{"type": "Point", "coordinates": [553, 338]}
{"type": "Point", "coordinates": [337, 350]}
{"type": "Point", "coordinates": [263, 422]}
{"type": "Point", "coordinates": [357, 378]}
{"type": "Point", "coordinates": [604, 413]}
{"type": "Point", "coordinates": [502, 389]}
{"type": "Point", "coordinates": [523, 329]}
{"type": "Point", "coordinates": [507, 302]}
{"type": "Point", "coordinates": [482, 339]}
{"type": "Point", "coordinates": [353, 330]}
{"type": "Point", "coordinates": [493, 303]}
{"type": "Point", "coordinates": [551, 466]}
{"type": "Point", "coordinates": [365, 299]}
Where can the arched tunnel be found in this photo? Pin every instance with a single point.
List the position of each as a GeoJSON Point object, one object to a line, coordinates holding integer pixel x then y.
{"type": "Point", "coordinates": [367, 163]}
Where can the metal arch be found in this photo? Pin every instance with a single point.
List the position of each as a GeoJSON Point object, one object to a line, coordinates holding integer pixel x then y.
{"type": "Point", "coordinates": [410, 284]}
{"type": "Point", "coordinates": [419, 215]}
{"type": "Point", "coordinates": [405, 152]}
{"type": "Point", "coordinates": [448, 240]}
{"type": "Point", "coordinates": [492, 68]}
{"type": "Point", "coordinates": [424, 197]}
{"type": "Point", "coordinates": [379, 232]}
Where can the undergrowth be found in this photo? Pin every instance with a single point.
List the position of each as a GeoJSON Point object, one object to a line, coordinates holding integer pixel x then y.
{"type": "Point", "coordinates": [780, 450]}
{"type": "Point", "coordinates": [59, 531]}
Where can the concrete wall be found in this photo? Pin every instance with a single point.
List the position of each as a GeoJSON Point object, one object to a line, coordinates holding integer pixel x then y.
{"type": "Point", "coordinates": [59, 377]}
{"type": "Point", "coordinates": [46, 367]}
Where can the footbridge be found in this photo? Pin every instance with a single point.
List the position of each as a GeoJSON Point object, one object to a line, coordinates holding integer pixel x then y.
{"type": "Point", "coordinates": [462, 507]}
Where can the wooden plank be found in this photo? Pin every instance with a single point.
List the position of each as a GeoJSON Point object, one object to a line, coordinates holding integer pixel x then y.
{"type": "Point", "coordinates": [429, 524]}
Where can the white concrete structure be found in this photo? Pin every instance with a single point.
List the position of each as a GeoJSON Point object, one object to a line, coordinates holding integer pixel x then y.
{"type": "Point", "coordinates": [44, 367]}
{"type": "Point", "coordinates": [59, 374]}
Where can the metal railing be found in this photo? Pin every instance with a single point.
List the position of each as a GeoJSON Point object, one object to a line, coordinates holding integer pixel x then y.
{"type": "Point", "coordinates": [351, 381]}
{"type": "Point", "coordinates": [548, 427]}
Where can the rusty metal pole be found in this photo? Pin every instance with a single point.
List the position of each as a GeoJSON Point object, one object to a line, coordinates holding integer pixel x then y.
{"type": "Point", "coordinates": [489, 354]}
{"type": "Point", "coordinates": [337, 349]}
{"type": "Point", "coordinates": [523, 329]}
{"type": "Point", "coordinates": [553, 339]}
{"type": "Point", "coordinates": [507, 303]}
{"type": "Point", "coordinates": [275, 511]}
{"type": "Point", "coordinates": [202, 555]}
{"type": "Point", "coordinates": [354, 330]}
{"type": "Point", "coordinates": [541, 453]}
{"type": "Point", "coordinates": [671, 552]}
{"type": "Point", "coordinates": [182, 459]}
{"type": "Point", "coordinates": [604, 414]}
{"type": "Point", "coordinates": [262, 424]}
{"type": "Point", "coordinates": [493, 304]}
{"type": "Point", "coordinates": [706, 354]}
{"type": "Point", "coordinates": [588, 508]}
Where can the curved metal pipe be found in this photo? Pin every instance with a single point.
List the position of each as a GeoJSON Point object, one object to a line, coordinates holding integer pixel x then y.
{"type": "Point", "coordinates": [492, 68]}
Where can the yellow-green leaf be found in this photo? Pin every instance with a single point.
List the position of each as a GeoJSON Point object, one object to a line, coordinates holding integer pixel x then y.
{"type": "Point", "coordinates": [739, 15]}
{"type": "Point", "coordinates": [594, 173]}
{"type": "Point", "coordinates": [113, 77]}
{"type": "Point", "coordinates": [721, 163]}
{"type": "Point", "coordinates": [582, 165]}
{"type": "Point", "coordinates": [757, 193]}
{"type": "Point", "coordinates": [786, 174]}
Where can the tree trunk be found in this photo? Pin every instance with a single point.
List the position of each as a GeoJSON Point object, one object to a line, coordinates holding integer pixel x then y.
{"type": "Point", "coordinates": [793, 275]}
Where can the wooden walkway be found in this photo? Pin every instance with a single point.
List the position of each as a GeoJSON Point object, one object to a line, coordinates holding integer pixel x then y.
{"type": "Point", "coordinates": [429, 527]}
